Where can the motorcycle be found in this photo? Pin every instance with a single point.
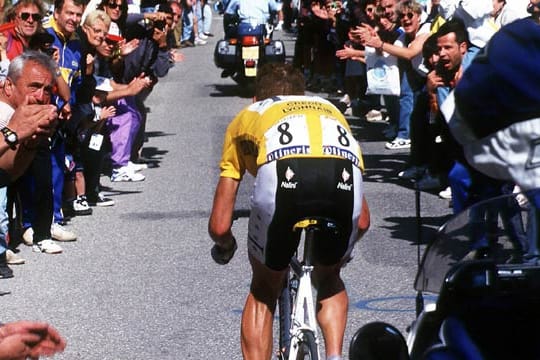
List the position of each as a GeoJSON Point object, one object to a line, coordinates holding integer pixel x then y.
{"type": "Point", "coordinates": [244, 50]}
{"type": "Point", "coordinates": [483, 270]}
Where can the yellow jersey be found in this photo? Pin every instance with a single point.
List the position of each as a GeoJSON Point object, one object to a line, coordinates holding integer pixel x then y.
{"type": "Point", "coordinates": [286, 126]}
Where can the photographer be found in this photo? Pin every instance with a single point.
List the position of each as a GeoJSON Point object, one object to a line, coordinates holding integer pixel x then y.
{"type": "Point", "coordinates": [152, 58]}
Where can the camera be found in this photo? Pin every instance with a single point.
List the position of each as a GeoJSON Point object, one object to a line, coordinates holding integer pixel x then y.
{"type": "Point", "coordinates": [48, 50]}
{"type": "Point", "coordinates": [159, 24]}
{"type": "Point", "coordinates": [42, 41]}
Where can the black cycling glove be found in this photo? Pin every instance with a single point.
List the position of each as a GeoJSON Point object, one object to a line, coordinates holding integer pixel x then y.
{"type": "Point", "coordinates": [223, 256]}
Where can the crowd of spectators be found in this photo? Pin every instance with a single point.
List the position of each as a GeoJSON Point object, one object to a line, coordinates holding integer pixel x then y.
{"type": "Point", "coordinates": [433, 42]}
{"type": "Point", "coordinates": [96, 62]}
{"type": "Point", "coordinates": [334, 38]}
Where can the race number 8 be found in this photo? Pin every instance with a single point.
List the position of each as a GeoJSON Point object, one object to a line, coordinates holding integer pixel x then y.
{"type": "Point", "coordinates": [285, 137]}
{"type": "Point", "coordinates": [342, 138]}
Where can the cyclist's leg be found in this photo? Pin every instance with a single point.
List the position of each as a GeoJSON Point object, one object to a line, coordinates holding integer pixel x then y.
{"type": "Point", "coordinates": [332, 305]}
{"type": "Point", "coordinates": [258, 314]}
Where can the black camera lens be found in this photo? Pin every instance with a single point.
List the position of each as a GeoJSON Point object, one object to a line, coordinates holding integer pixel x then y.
{"type": "Point", "coordinates": [159, 24]}
{"type": "Point", "coordinates": [49, 51]}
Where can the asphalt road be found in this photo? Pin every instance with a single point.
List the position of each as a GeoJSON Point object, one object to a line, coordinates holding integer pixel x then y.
{"type": "Point", "coordinates": [139, 282]}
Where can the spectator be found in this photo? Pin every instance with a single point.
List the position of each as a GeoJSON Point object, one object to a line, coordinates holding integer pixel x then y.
{"type": "Point", "coordinates": [174, 36]}
{"type": "Point", "coordinates": [207, 17]}
{"type": "Point", "coordinates": [26, 15]}
{"type": "Point", "coordinates": [39, 70]}
{"type": "Point", "coordinates": [62, 26]}
{"type": "Point", "coordinates": [203, 12]}
{"type": "Point", "coordinates": [153, 58]}
{"type": "Point", "coordinates": [84, 179]}
{"type": "Point", "coordinates": [503, 14]}
{"type": "Point", "coordinates": [189, 25]}
{"type": "Point", "coordinates": [408, 49]}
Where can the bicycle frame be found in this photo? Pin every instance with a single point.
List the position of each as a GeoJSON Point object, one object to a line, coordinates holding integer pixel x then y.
{"type": "Point", "coordinates": [302, 316]}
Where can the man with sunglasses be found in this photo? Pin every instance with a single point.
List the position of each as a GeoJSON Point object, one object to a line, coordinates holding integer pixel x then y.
{"type": "Point", "coordinates": [26, 16]}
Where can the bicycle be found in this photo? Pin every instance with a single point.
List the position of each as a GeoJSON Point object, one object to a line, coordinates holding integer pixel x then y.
{"type": "Point", "coordinates": [298, 337]}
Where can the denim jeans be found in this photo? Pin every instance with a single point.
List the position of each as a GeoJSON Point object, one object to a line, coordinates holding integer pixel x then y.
{"type": "Point", "coordinates": [187, 24]}
{"type": "Point", "coordinates": [4, 221]}
{"type": "Point", "coordinates": [406, 104]}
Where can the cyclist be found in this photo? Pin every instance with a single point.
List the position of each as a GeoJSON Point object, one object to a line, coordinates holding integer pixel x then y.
{"type": "Point", "coordinates": [306, 163]}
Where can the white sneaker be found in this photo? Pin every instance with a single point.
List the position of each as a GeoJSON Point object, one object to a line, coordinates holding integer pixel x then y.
{"type": "Point", "coordinates": [374, 116]}
{"type": "Point", "coordinates": [59, 233]}
{"type": "Point", "coordinates": [346, 100]}
{"type": "Point", "coordinates": [125, 173]}
{"type": "Point", "coordinates": [398, 144]}
{"type": "Point", "coordinates": [28, 236]}
{"type": "Point", "coordinates": [13, 259]}
{"type": "Point", "coordinates": [446, 193]}
{"type": "Point", "coordinates": [47, 246]}
{"type": "Point", "coordinates": [199, 42]}
{"type": "Point", "coordinates": [81, 207]}
{"type": "Point", "coordinates": [202, 36]}
{"type": "Point", "coordinates": [136, 167]}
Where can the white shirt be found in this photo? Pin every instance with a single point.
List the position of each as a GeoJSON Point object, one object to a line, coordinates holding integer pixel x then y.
{"type": "Point", "coordinates": [256, 11]}
{"type": "Point", "coordinates": [6, 111]}
{"type": "Point", "coordinates": [475, 14]}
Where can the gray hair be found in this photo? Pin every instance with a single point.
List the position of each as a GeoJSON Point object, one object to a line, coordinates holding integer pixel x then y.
{"type": "Point", "coordinates": [17, 64]}
{"type": "Point", "coordinates": [97, 15]}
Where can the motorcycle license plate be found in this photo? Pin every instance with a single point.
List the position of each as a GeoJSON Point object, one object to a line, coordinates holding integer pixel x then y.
{"type": "Point", "coordinates": [250, 52]}
{"type": "Point", "coordinates": [250, 72]}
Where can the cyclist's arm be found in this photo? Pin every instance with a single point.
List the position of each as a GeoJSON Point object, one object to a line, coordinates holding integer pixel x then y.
{"type": "Point", "coordinates": [219, 225]}
{"type": "Point", "coordinates": [364, 219]}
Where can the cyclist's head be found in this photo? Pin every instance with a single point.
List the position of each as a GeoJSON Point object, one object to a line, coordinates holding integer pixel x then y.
{"type": "Point", "coordinates": [275, 79]}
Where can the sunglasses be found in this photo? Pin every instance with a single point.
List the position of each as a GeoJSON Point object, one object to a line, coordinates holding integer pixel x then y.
{"type": "Point", "coordinates": [409, 16]}
{"type": "Point", "coordinates": [110, 41]}
{"type": "Point", "coordinates": [25, 16]}
{"type": "Point", "coordinates": [113, 6]}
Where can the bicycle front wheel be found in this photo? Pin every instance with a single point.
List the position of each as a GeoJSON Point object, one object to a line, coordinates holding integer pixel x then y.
{"type": "Point", "coordinates": [307, 347]}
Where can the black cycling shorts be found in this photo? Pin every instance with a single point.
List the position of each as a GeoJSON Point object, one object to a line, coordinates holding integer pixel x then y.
{"type": "Point", "coordinates": [288, 190]}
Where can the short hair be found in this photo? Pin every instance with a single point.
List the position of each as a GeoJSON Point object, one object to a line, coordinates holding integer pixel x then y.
{"type": "Point", "coordinates": [429, 49]}
{"type": "Point", "coordinates": [275, 79]}
{"type": "Point", "coordinates": [97, 15]}
{"type": "Point", "coordinates": [59, 4]}
{"type": "Point", "coordinates": [455, 26]}
{"type": "Point", "coordinates": [11, 12]}
{"type": "Point", "coordinates": [166, 8]}
{"type": "Point", "coordinates": [408, 4]}
{"type": "Point", "coordinates": [17, 65]}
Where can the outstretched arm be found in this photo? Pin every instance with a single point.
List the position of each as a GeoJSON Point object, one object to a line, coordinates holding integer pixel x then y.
{"type": "Point", "coordinates": [219, 225]}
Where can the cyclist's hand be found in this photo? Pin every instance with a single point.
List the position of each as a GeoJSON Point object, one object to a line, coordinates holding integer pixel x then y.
{"type": "Point", "coordinates": [222, 255]}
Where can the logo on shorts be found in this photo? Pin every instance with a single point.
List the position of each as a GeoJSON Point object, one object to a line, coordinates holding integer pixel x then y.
{"type": "Point", "coordinates": [289, 174]}
{"type": "Point", "coordinates": [342, 185]}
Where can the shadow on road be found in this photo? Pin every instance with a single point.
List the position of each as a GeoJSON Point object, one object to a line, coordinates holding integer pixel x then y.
{"type": "Point", "coordinates": [402, 228]}
{"type": "Point", "coordinates": [230, 90]}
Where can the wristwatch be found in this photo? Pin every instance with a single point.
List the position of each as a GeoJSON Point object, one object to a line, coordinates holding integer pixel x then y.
{"type": "Point", "coordinates": [10, 137]}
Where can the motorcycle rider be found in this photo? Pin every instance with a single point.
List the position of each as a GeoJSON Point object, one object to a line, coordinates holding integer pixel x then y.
{"type": "Point", "coordinates": [246, 16]}
{"type": "Point", "coordinates": [246, 13]}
